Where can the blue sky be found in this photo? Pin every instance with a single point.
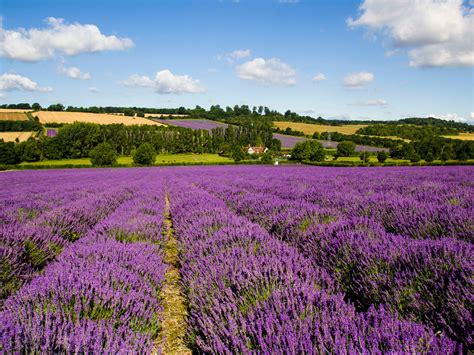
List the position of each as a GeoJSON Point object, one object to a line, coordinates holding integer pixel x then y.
{"type": "Point", "coordinates": [187, 53]}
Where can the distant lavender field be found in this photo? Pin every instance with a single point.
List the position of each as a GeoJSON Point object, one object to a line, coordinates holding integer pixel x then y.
{"type": "Point", "coordinates": [286, 141]}
{"type": "Point", "coordinates": [51, 132]}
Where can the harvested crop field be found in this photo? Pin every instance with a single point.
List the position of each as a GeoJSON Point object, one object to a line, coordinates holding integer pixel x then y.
{"type": "Point", "coordinates": [13, 110]}
{"type": "Point", "coordinates": [46, 117]}
{"type": "Point", "coordinates": [463, 136]}
{"type": "Point", "coordinates": [301, 258]}
{"type": "Point", "coordinates": [13, 116]}
{"type": "Point", "coordinates": [308, 128]}
{"type": "Point", "coordinates": [12, 136]}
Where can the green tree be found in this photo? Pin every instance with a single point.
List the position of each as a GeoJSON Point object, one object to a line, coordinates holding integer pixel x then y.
{"type": "Point", "coordinates": [308, 150]}
{"type": "Point", "coordinates": [238, 154]}
{"type": "Point", "coordinates": [267, 157]}
{"type": "Point", "coordinates": [144, 155]}
{"type": "Point", "coordinates": [447, 153]}
{"type": "Point", "coordinates": [29, 150]}
{"type": "Point", "coordinates": [415, 157]}
{"type": "Point", "coordinates": [346, 149]}
{"type": "Point", "coordinates": [36, 106]}
{"type": "Point", "coordinates": [8, 154]}
{"type": "Point", "coordinates": [103, 155]}
{"type": "Point", "coordinates": [382, 156]}
{"type": "Point", "coordinates": [429, 157]}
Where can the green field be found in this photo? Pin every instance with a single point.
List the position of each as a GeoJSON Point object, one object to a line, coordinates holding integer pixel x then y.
{"type": "Point", "coordinates": [162, 159]}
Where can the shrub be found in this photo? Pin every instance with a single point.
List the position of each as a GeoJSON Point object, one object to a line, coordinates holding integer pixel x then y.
{"type": "Point", "coordinates": [382, 157]}
{"type": "Point", "coordinates": [144, 155]}
{"type": "Point", "coordinates": [308, 150]}
{"type": "Point", "coordinates": [346, 149]}
{"type": "Point", "coordinates": [103, 155]}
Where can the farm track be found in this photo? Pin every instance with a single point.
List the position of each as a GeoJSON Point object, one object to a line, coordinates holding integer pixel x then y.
{"type": "Point", "coordinates": [171, 339]}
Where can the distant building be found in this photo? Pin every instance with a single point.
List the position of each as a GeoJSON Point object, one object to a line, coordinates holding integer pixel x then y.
{"type": "Point", "coordinates": [256, 150]}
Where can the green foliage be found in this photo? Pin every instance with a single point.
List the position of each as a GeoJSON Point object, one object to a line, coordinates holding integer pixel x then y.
{"type": "Point", "coordinates": [382, 156]}
{"type": "Point", "coordinates": [346, 149]}
{"type": "Point", "coordinates": [238, 154]}
{"type": "Point", "coordinates": [267, 157]}
{"type": "Point", "coordinates": [20, 126]}
{"type": "Point", "coordinates": [364, 156]}
{"type": "Point", "coordinates": [103, 155]}
{"type": "Point", "coordinates": [308, 151]}
{"type": "Point", "coordinates": [411, 132]}
{"type": "Point", "coordinates": [8, 154]}
{"type": "Point", "coordinates": [29, 150]}
{"type": "Point", "coordinates": [144, 155]}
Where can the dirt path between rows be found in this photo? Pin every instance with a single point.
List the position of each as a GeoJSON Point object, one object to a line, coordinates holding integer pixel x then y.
{"type": "Point", "coordinates": [171, 339]}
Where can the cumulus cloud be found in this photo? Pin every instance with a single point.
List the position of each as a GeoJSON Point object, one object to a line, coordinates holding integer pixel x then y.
{"type": "Point", "coordinates": [270, 72]}
{"type": "Point", "coordinates": [74, 73]}
{"type": "Point", "coordinates": [358, 80]}
{"type": "Point", "coordinates": [58, 36]}
{"type": "Point", "coordinates": [233, 56]}
{"type": "Point", "coordinates": [450, 117]}
{"type": "Point", "coordinates": [17, 82]}
{"type": "Point", "coordinates": [472, 113]}
{"type": "Point", "coordinates": [376, 102]}
{"type": "Point", "coordinates": [437, 33]}
{"type": "Point", "coordinates": [165, 82]}
{"type": "Point", "coordinates": [319, 77]}
{"type": "Point", "coordinates": [138, 80]}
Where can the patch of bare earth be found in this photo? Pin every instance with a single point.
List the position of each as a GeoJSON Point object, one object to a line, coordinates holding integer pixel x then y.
{"type": "Point", "coordinates": [172, 337]}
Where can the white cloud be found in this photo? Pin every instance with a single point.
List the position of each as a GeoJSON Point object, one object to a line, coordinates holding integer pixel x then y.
{"type": "Point", "coordinates": [235, 55]}
{"type": "Point", "coordinates": [472, 113]}
{"type": "Point", "coordinates": [74, 73]}
{"type": "Point", "coordinates": [376, 102]}
{"type": "Point", "coordinates": [17, 82]}
{"type": "Point", "coordinates": [93, 89]}
{"type": "Point", "coordinates": [271, 71]}
{"type": "Point", "coordinates": [358, 80]}
{"type": "Point", "coordinates": [319, 77]}
{"type": "Point", "coordinates": [449, 117]}
{"type": "Point", "coordinates": [166, 82]}
{"type": "Point", "coordinates": [36, 44]}
{"type": "Point", "coordinates": [437, 33]}
{"type": "Point", "coordinates": [138, 80]}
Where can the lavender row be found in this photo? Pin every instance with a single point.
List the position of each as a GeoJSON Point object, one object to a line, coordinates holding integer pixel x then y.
{"type": "Point", "coordinates": [27, 197]}
{"type": "Point", "coordinates": [429, 281]}
{"type": "Point", "coordinates": [102, 294]}
{"type": "Point", "coordinates": [249, 292]}
{"type": "Point", "coordinates": [417, 202]}
{"type": "Point", "coordinates": [25, 250]}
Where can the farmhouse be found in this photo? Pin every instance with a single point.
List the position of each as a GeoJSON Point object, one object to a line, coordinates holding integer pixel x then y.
{"type": "Point", "coordinates": [256, 150]}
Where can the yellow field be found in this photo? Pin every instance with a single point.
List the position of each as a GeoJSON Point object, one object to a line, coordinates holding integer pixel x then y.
{"type": "Point", "coordinates": [463, 136]}
{"type": "Point", "coordinates": [99, 118]}
{"type": "Point", "coordinates": [309, 128]}
{"type": "Point", "coordinates": [13, 110]}
{"type": "Point", "coordinates": [13, 116]}
{"type": "Point", "coordinates": [12, 136]}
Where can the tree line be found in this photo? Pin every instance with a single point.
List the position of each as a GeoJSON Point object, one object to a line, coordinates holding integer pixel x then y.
{"type": "Point", "coordinates": [407, 131]}
{"type": "Point", "coordinates": [77, 140]}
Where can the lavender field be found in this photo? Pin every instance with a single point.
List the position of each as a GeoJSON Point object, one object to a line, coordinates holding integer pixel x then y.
{"type": "Point", "coordinates": [287, 141]}
{"type": "Point", "coordinates": [268, 260]}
